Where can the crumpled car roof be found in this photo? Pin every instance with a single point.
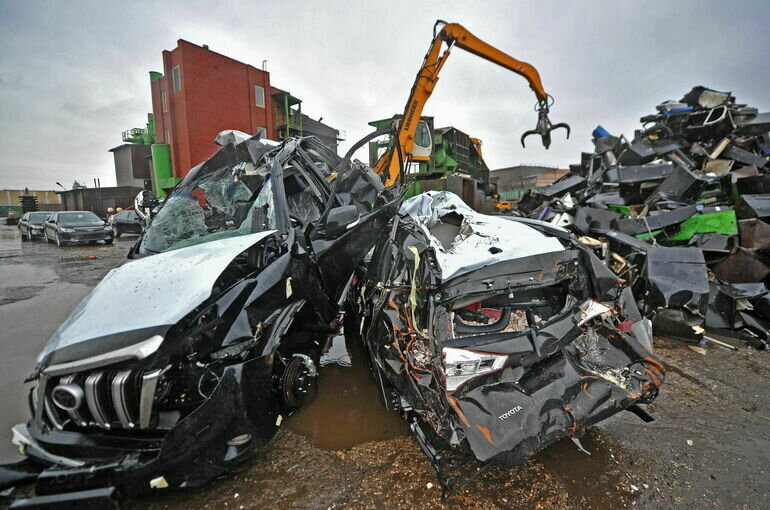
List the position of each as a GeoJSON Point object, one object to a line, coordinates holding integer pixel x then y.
{"type": "Point", "coordinates": [465, 240]}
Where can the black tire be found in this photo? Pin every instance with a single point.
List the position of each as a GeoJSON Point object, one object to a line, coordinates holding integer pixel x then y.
{"type": "Point", "coordinates": [108, 241]}
{"type": "Point", "coordinates": [118, 233]}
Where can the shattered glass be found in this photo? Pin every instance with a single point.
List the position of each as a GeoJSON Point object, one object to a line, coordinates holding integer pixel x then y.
{"type": "Point", "coordinates": [208, 209]}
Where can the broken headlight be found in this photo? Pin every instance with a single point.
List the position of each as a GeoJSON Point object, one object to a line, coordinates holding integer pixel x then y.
{"type": "Point", "coordinates": [461, 365]}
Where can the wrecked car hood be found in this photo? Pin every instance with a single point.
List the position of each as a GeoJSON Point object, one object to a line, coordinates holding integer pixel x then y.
{"type": "Point", "coordinates": [465, 240]}
{"type": "Point", "coordinates": [155, 291]}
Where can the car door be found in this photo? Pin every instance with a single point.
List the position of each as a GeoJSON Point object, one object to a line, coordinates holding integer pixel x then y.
{"type": "Point", "coordinates": [118, 222]}
{"type": "Point", "coordinates": [339, 250]}
{"type": "Point", "coordinates": [133, 222]}
{"type": "Point", "coordinates": [50, 226]}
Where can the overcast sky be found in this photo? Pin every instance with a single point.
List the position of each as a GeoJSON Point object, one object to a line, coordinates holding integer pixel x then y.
{"type": "Point", "coordinates": [73, 75]}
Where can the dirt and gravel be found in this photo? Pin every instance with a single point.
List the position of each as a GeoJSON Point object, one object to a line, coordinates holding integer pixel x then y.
{"type": "Point", "coordinates": [709, 448]}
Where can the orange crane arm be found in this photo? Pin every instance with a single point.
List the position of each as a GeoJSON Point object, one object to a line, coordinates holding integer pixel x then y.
{"type": "Point", "coordinates": [389, 166]}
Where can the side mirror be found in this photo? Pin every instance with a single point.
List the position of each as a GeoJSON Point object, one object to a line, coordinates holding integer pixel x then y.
{"type": "Point", "coordinates": [341, 219]}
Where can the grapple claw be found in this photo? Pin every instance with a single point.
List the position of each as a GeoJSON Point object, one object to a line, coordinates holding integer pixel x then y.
{"type": "Point", "coordinates": [544, 126]}
{"type": "Point", "coordinates": [526, 134]}
{"type": "Point", "coordinates": [562, 125]}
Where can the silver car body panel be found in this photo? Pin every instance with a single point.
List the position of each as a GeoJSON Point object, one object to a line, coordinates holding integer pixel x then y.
{"type": "Point", "coordinates": [156, 290]}
{"type": "Point", "coordinates": [479, 240]}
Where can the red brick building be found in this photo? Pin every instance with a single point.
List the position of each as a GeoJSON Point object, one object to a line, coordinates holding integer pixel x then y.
{"type": "Point", "coordinates": [201, 93]}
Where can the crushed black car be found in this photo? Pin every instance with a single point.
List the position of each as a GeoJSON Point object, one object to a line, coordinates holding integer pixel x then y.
{"type": "Point", "coordinates": [495, 336]}
{"type": "Point", "coordinates": [233, 287]}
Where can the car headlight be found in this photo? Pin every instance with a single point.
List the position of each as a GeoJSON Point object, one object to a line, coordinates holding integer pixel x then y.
{"type": "Point", "coordinates": [67, 230]}
{"type": "Point", "coordinates": [461, 365]}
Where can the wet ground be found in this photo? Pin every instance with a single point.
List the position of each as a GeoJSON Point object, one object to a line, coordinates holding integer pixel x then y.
{"type": "Point", "coordinates": [709, 448]}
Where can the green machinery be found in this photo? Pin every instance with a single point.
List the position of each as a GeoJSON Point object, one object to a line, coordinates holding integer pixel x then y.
{"type": "Point", "coordinates": [142, 136]}
{"type": "Point", "coordinates": [444, 159]}
{"type": "Point", "coordinates": [163, 173]}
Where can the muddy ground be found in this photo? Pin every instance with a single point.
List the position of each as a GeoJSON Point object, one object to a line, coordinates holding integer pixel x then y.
{"type": "Point", "coordinates": [709, 448]}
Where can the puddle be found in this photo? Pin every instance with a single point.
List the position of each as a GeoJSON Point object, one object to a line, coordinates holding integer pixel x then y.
{"type": "Point", "coordinates": [9, 234]}
{"type": "Point", "coordinates": [26, 326]}
{"type": "Point", "coordinates": [592, 479]}
{"type": "Point", "coordinates": [346, 410]}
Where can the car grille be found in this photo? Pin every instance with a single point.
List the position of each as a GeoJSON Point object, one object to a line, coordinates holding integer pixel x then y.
{"type": "Point", "coordinates": [87, 235]}
{"type": "Point", "coordinates": [108, 399]}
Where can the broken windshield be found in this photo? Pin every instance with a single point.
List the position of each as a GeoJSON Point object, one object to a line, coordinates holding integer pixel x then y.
{"type": "Point", "coordinates": [231, 201]}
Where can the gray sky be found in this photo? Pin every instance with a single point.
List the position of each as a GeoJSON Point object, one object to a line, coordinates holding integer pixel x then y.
{"type": "Point", "coordinates": [73, 75]}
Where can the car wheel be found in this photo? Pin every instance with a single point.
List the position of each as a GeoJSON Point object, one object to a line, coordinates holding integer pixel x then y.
{"type": "Point", "coordinates": [118, 233]}
{"type": "Point", "coordinates": [108, 241]}
{"type": "Point", "coordinates": [58, 241]}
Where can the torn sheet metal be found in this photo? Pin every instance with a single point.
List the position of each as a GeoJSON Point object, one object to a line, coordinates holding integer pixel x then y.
{"type": "Point", "coordinates": [726, 300]}
{"type": "Point", "coordinates": [755, 234]}
{"type": "Point", "coordinates": [677, 278]}
{"type": "Point", "coordinates": [649, 224]}
{"type": "Point", "coordinates": [753, 206]}
{"type": "Point", "coordinates": [464, 240]}
{"type": "Point", "coordinates": [753, 125]}
{"type": "Point", "coordinates": [562, 186]}
{"type": "Point", "coordinates": [744, 156]}
{"type": "Point", "coordinates": [713, 243]}
{"type": "Point", "coordinates": [706, 98]}
{"type": "Point", "coordinates": [743, 266]}
{"type": "Point", "coordinates": [591, 220]}
{"type": "Point", "coordinates": [681, 185]}
{"type": "Point", "coordinates": [753, 185]}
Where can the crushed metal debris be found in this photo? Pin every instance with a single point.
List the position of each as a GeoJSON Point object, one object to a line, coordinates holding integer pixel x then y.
{"type": "Point", "coordinates": [679, 211]}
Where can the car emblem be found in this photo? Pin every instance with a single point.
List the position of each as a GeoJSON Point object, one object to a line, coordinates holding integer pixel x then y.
{"type": "Point", "coordinates": [67, 396]}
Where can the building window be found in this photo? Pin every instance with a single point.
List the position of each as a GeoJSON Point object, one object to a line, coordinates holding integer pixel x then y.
{"type": "Point", "coordinates": [262, 132]}
{"type": "Point", "coordinates": [176, 77]}
{"type": "Point", "coordinates": [259, 96]}
{"type": "Point", "coordinates": [167, 135]}
{"type": "Point", "coordinates": [164, 101]}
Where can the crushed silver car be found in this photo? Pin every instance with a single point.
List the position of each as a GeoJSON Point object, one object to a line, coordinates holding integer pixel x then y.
{"type": "Point", "coordinates": [495, 336]}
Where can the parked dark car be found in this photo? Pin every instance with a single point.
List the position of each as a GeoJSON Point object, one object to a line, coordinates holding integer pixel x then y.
{"type": "Point", "coordinates": [126, 222]}
{"type": "Point", "coordinates": [31, 225]}
{"type": "Point", "coordinates": [12, 217]}
{"type": "Point", "coordinates": [232, 289]}
{"type": "Point", "coordinates": [72, 227]}
{"type": "Point", "coordinates": [495, 336]}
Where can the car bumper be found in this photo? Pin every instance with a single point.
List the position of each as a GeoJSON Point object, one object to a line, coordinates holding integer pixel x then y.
{"type": "Point", "coordinates": [84, 237]}
{"type": "Point", "coordinates": [191, 453]}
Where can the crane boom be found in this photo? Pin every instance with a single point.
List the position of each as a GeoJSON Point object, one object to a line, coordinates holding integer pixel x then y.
{"type": "Point", "coordinates": [454, 34]}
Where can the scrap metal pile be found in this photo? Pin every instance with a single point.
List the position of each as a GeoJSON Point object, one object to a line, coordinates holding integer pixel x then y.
{"type": "Point", "coordinates": [681, 213]}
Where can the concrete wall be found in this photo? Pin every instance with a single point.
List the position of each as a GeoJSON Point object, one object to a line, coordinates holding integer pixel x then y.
{"type": "Point", "coordinates": [98, 200]}
{"type": "Point", "coordinates": [132, 167]}
{"type": "Point", "coordinates": [11, 197]}
{"type": "Point", "coordinates": [525, 176]}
